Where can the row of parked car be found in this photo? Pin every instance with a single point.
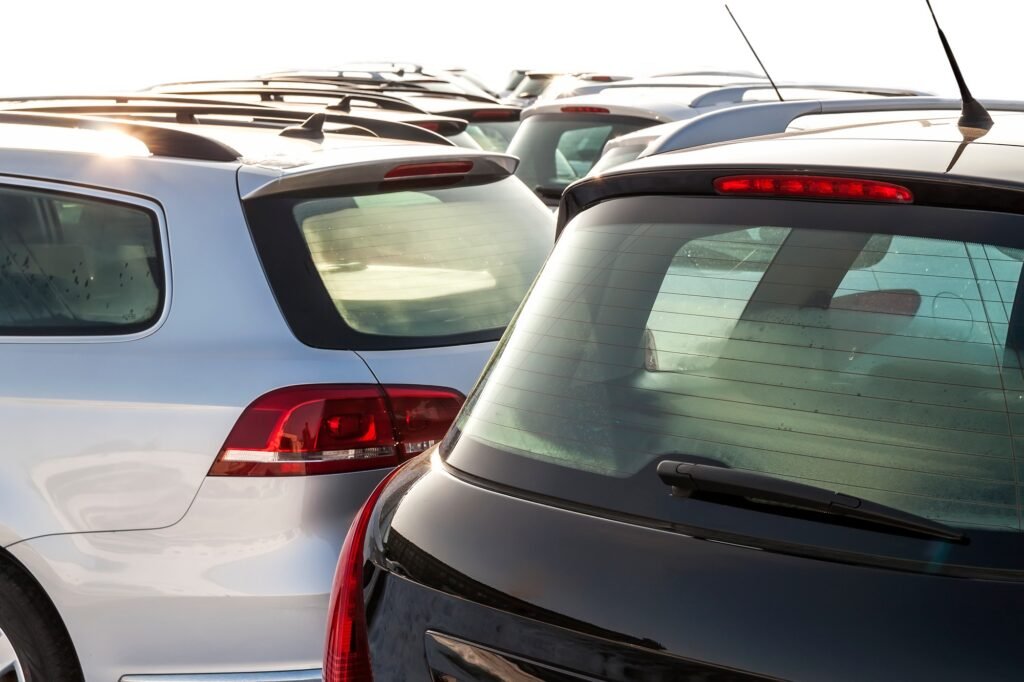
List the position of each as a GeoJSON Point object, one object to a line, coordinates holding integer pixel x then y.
{"type": "Point", "coordinates": [755, 418]}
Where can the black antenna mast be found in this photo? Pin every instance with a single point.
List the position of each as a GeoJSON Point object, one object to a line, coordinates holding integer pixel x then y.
{"type": "Point", "coordinates": [973, 114]}
{"type": "Point", "coordinates": [754, 52]}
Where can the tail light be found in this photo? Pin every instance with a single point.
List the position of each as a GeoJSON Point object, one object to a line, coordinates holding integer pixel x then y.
{"type": "Point", "coordinates": [347, 650]}
{"type": "Point", "coordinates": [483, 115]}
{"type": "Point", "coordinates": [420, 170]}
{"type": "Point", "coordinates": [584, 110]}
{"type": "Point", "coordinates": [813, 187]}
{"type": "Point", "coordinates": [326, 429]}
{"type": "Point", "coordinates": [444, 128]}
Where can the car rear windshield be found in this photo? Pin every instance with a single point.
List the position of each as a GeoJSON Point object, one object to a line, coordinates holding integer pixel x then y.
{"type": "Point", "coordinates": [493, 136]}
{"type": "Point", "coordinates": [411, 268]}
{"type": "Point", "coordinates": [866, 349]}
{"type": "Point", "coordinates": [533, 86]}
{"type": "Point", "coordinates": [558, 149]}
{"type": "Point", "coordinates": [616, 156]}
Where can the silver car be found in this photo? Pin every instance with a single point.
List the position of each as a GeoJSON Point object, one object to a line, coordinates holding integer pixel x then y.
{"type": "Point", "coordinates": [214, 341]}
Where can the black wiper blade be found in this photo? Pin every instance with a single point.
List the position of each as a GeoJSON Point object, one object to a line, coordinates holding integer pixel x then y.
{"type": "Point", "coordinates": [688, 478]}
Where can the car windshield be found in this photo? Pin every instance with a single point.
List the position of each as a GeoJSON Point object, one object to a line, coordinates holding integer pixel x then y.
{"type": "Point", "coordinates": [865, 349]}
{"type": "Point", "coordinates": [558, 149]}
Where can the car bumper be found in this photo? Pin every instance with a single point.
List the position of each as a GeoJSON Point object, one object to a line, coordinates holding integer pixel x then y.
{"type": "Point", "coordinates": [238, 587]}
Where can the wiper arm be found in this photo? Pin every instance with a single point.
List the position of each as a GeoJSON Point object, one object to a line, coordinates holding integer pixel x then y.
{"type": "Point", "coordinates": [687, 479]}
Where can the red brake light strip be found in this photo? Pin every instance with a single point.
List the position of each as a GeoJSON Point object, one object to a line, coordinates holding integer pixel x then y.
{"type": "Point", "coordinates": [813, 187]}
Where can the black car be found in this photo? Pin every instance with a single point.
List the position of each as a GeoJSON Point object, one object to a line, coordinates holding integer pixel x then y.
{"type": "Point", "coordinates": [756, 420]}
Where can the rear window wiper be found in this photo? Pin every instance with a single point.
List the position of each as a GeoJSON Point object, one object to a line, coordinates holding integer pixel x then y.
{"type": "Point", "coordinates": [687, 479]}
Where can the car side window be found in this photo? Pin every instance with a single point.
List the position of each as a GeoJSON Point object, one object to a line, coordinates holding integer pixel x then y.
{"type": "Point", "coordinates": [74, 265]}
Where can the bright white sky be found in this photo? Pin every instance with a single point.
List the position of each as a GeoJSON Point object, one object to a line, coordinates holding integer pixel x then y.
{"type": "Point", "coordinates": [73, 45]}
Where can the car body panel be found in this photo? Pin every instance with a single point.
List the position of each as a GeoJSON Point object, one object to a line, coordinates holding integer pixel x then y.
{"type": "Point", "coordinates": [980, 162]}
{"type": "Point", "coordinates": [248, 571]}
{"type": "Point", "coordinates": [453, 366]}
{"type": "Point", "coordinates": [590, 578]}
{"type": "Point", "coordinates": [115, 398]}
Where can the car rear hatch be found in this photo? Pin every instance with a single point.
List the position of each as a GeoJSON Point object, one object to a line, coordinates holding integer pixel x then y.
{"type": "Point", "coordinates": [861, 355]}
{"type": "Point", "coordinates": [491, 126]}
{"type": "Point", "coordinates": [414, 257]}
{"type": "Point", "coordinates": [556, 149]}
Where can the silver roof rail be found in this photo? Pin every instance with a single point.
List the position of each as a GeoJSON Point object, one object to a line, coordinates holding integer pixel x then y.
{"type": "Point", "coordinates": [735, 74]}
{"type": "Point", "coordinates": [772, 118]}
{"type": "Point", "coordinates": [733, 94]}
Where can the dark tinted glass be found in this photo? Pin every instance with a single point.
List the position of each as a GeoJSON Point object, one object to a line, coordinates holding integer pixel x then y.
{"type": "Point", "coordinates": [75, 265]}
{"type": "Point", "coordinates": [555, 150]}
{"type": "Point", "coordinates": [867, 351]}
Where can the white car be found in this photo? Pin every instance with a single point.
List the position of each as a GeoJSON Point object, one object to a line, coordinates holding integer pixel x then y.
{"type": "Point", "coordinates": [215, 340]}
{"type": "Point", "coordinates": [559, 141]}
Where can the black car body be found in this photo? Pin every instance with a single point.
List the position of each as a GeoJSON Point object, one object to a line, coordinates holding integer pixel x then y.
{"type": "Point", "coordinates": [757, 419]}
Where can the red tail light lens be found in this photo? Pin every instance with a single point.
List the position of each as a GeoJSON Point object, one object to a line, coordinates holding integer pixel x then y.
{"type": "Point", "coordinates": [306, 430]}
{"type": "Point", "coordinates": [813, 187]}
{"type": "Point", "coordinates": [419, 170]}
{"type": "Point", "coordinates": [484, 115]}
{"type": "Point", "coordinates": [422, 416]}
{"type": "Point", "coordinates": [584, 110]}
{"type": "Point", "coordinates": [347, 650]}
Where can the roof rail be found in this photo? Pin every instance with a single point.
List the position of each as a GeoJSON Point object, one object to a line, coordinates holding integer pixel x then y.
{"type": "Point", "coordinates": [598, 88]}
{"type": "Point", "coordinates": [735, 74]}
{"type": "Point", "coordinates": [160, 140]}
{"type": "Point", "coordinates": [373, 77]}
{"type": "Point", "coordinates": [120, 98]}
{"type": "Point", "coordinates": [771, 118]}
{"type": "Point", "coordinates": [732, 94]}
{"type": "Point", "coordinates": [380, 87]}
{"type": "Point", "coordinates": [268, 93]}
{"type": "Point", "coordinates": [186, 113]}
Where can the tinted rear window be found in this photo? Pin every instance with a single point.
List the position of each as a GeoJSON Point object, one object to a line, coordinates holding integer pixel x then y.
{"type": "Point", "coordinates": [418, 267]}
{"type": "Point", "coordinates": [493, 136]}
{"type": "Point", "coordinates": [861, 348]}
{"type": "Point", "coordinates": [558, 149]}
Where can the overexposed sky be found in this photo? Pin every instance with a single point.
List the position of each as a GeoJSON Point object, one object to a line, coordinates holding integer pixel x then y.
{"type": "Point", "coordinates": [70, 46]}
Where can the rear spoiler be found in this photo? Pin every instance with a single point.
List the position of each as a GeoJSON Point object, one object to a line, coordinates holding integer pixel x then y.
{"type": "Point", "coordinates": [470, 169]}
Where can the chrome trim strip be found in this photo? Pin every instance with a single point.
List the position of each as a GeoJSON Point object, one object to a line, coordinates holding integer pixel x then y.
{"type": "Point", "coordinates": [288, 676]}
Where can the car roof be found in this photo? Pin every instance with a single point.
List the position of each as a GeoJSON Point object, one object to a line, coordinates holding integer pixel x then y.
{"type": "Point", "coordinates": [49, 142]}
{"type": "Point", "coordinates": [912, 142]}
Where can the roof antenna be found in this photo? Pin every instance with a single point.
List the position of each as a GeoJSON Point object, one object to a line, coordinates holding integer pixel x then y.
{"type": "Point", "coordinates": [973, 114]}
{"type": "Point", "coordinates": [311, 129]}
{"type": "Point", "coordinates": [754, 52]}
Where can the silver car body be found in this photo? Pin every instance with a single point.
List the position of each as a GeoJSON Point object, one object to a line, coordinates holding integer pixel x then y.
{"type": "Point", "coordinates": [156, 568]}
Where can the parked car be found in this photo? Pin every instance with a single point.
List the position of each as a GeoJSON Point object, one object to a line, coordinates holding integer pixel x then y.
{"type": "Point", "coordinates": [756, 420]}
{"type": "Point", "coordinates": [537, 86]}
{"type": "Point", "coordinates": [216, 338]}
{"type": "Point", "coordinates": [515, 77]}
{"type": "Point", "coordinates": [560, 141]}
